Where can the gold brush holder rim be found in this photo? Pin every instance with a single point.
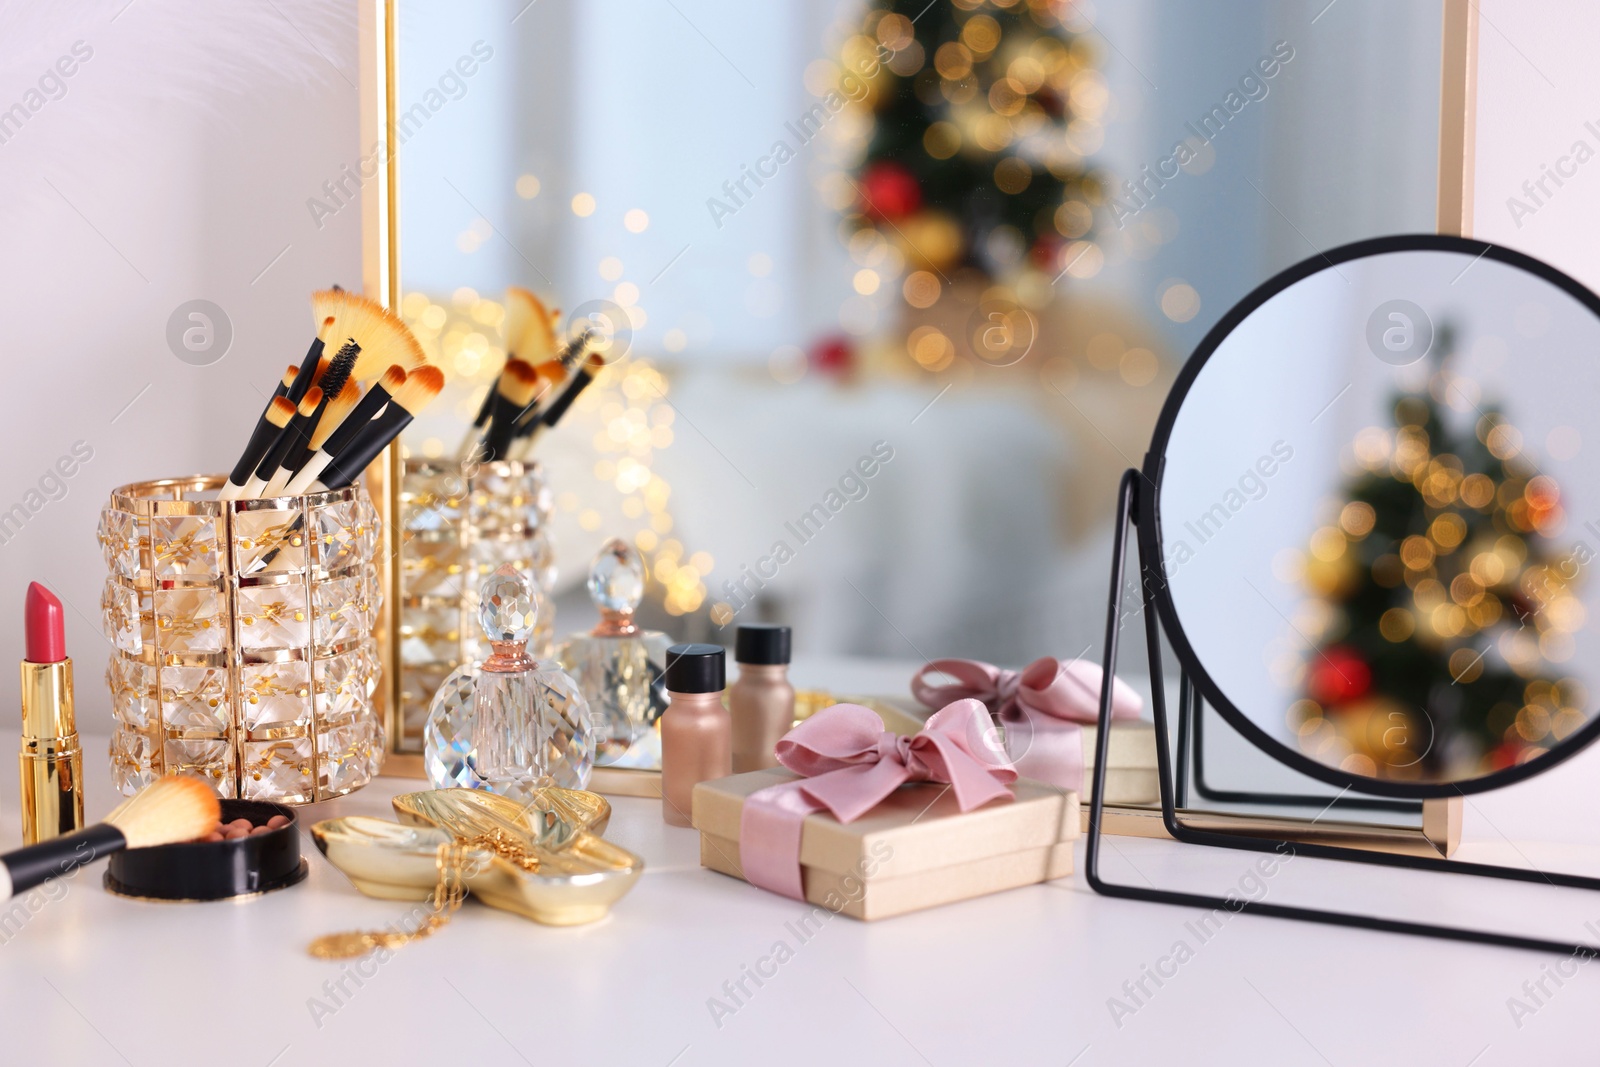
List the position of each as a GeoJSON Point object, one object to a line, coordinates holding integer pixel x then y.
{"type": "Point", "coordinates": [164, 498]}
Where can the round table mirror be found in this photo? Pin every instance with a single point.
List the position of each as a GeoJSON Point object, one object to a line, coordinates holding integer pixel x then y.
{"type": "Point", "coordinates": [1376, 501]}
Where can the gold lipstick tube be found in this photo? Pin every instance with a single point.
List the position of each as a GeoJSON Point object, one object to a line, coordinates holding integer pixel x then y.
{"type": "Point", "coordinates": [52, 759]}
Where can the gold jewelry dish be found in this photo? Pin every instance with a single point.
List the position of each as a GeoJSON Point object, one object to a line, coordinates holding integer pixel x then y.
{"type": "Point", "coordinates": [545, 861]}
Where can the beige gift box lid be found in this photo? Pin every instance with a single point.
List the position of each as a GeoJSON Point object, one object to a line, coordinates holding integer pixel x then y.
{"type": "Point", "coordinates": [915, 850]}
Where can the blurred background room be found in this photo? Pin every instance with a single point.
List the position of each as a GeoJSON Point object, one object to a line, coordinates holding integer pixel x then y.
{"type": "Point", "coordinates": [978, 241]}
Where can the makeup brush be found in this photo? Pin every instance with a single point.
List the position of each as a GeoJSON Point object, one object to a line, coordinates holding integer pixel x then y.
{"type": "Point", "coordinates": [571, 356]}
{"type": "Point", "coordinates": [530, 335]}
{"type": "Point", "coordinates": [383, 340]}
{"type": "Point", "coordinates": [324, 309]}
{"type": "Point", "coordinates": [519, 382]}
{"type": "Point", "coordinates": [374, 400]}
{"type": "Point", "coordinates": [279, 412]}
{"type": "Point", "coordinates": [553, 413]}
{"type": "Point", "coordinates": [260, 439]}
{"type": "Point", "coordinates": [298, 433]}
{"type": "Point", "coordinates": [164, 812]}
{"type": "Point", "coordinates": [420, 389]}
{"type": "Point", "coordinates": [331, 417]}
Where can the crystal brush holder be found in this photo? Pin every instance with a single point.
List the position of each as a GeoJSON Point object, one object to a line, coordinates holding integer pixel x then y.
{"type": "Point", "coordinates": [242, 635]}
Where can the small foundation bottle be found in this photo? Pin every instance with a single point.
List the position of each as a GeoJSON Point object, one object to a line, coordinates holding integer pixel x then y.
{"type": "Point", "coordinates": [696, 732]}
{"type": "Point", "coordinates": [762, 700]}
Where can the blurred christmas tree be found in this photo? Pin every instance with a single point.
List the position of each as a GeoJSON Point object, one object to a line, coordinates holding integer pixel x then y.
{"type": "Point", "coordinates": [982, 111]}
{"type": "Point", "coordinates": [1441, 585]}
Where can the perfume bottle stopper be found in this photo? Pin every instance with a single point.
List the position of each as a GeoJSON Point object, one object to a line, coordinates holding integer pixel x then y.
{"type": "Point", "coordinates": [616, 585]}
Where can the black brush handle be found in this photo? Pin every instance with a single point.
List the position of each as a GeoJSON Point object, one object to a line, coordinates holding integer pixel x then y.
{"type": "Point", "coordinates": [300, 448]}
{"type": "Point", "coordinates": [307, 372]}
{"type": "Point", "coordinates": [297, 432]}
{"type": "Point", "coordinates": [501, 429]}
{"type": "Point", "coordinates": [488, 402]}
{"type": "Point", "coordinates": [529, 415]}
{"type": "Point", "coordinates": [37, 864]}
{"type": "Point", "coordinates": [564, 401]}
{"type": "Point", "coordinates": [347, 466]}
{"type": "Point", "coordinates": [359, 416]}
{"type": "Point", "coordinates": [260, 439]}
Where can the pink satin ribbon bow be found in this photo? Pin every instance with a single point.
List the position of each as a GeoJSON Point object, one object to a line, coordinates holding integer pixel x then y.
{"type": "Point", "coordinates": [851, 763]}
{"type": "Point", "coordinates": [1042, 708]}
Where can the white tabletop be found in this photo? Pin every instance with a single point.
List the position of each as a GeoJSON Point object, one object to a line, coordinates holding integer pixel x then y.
{"type": "Point", "coordinates": [1024, 977]}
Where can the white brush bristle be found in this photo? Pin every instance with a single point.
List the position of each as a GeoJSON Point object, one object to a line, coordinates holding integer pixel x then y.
{"type": "Point", "coordinates": [166, 811]}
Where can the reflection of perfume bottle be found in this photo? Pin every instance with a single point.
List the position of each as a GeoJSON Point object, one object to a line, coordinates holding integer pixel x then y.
{"type": "Point", "coordinates": [508, 725]}
{"type": "Point", "coordinates": [618, 666]}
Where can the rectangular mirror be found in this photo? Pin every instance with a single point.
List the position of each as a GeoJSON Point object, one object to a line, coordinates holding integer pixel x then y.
{"type": "Point", "coordinates": [964, 246]}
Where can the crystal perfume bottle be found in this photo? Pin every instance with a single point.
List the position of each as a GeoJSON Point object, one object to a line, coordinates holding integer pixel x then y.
{"type": "Point", "coordinates": [619, 666]}
{"type": "Point", "coordinates": [507, 724]}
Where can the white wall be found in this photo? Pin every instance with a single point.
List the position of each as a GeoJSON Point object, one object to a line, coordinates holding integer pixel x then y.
{"type": "Point", "coordinates": [1537, 86]}
{"type": "Point", "coordinates": [176, 166]}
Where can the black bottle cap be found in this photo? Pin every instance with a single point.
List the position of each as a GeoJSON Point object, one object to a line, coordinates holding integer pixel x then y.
{"type": "Point", "coordinates": [696, 669]}
{"type": "Point", "coordinates": [761, 643]}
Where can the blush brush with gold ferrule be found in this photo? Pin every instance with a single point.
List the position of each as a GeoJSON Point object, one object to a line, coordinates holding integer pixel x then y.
{"type": "Point", "coordinates": [166, 811]}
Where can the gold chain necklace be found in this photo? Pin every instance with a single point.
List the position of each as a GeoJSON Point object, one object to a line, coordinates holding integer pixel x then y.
{"type": "Point", "coordinates": [448, 895]}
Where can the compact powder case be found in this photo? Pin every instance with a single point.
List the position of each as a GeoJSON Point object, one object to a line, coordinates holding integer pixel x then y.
{"type": "Point", "coordinates": [214, 870]}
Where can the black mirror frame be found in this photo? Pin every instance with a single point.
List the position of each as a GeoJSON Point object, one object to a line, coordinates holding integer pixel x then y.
{"type": "Point", "coordinates": [1149, 532]}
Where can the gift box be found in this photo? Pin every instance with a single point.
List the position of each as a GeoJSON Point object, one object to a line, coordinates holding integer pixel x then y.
{"type": "Point", "coordinates": [1130, 763]}
{"type": "Point", "coordinates": [915, 849]}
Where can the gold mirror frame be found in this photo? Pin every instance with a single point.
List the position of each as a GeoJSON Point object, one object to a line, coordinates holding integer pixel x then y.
{"type": "Point", "coordinates": [380, 280]}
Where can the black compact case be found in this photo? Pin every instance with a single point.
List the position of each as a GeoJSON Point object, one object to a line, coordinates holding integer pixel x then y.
{"type": "Point", "coordinates": [214, 870]}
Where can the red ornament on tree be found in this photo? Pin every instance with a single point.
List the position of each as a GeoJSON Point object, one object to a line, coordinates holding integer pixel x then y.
{"type": "Point", "coordinates": [1338, 676]}
{"type": "Point", "coordinates": [834, 355]}
{"type": "Point", "coordinates": [889, 191]}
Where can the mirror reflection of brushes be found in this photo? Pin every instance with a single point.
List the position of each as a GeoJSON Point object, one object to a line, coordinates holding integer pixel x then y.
{"type": "Point", "coordinates": [518, 385]}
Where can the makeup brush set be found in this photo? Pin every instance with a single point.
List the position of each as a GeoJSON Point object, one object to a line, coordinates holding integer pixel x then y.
{"type": "Point", "coordinates": [535, 388]}
{"type": "Point", "coordinates": [362, 381]}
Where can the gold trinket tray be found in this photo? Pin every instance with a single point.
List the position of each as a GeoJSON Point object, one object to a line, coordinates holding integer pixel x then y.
{"type": "Point", "coordinates": [547, 860]}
